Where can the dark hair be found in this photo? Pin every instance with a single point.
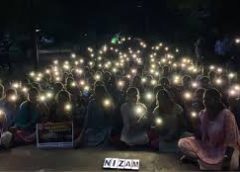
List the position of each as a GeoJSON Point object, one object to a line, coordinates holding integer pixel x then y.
{"type": "Point", "coordinates": [132, 91]}
{"type": "Point", "coordinates": [63, 93]}
{"type": "Point", "coordinates": [214, 93]}
{"type": "Point", "coordinates": [10, 91]}
{"type": "Point", "coordinates": [218, 106]}
{"type": "Point", "coordinates": [165, 95]}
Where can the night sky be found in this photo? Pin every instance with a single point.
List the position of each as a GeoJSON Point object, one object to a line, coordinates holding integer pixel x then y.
{"type": "Point", "coordinates": [170, 19]}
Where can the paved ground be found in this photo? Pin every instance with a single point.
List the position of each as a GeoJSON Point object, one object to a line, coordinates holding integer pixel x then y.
{"type": "Point", "coordinates": [29, 158]}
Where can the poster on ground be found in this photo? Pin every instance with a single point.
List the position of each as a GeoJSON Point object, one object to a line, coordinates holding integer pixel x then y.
{"type": "Point", "coordinates": [54, 135]}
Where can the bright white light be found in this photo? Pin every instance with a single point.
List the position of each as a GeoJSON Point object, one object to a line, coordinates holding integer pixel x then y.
{"type": "Point", "coordinates": [219, 81]}
{"type": "Point", "coordinates": [149, 96]}
{"type": "Point", "coordinates": [106, 102]}
{"type": "Point", "coordinates": [193, 114]}
{"type": "Point", "coordinates": [159, 121]}
{"type": "Point", "coordinates": [231, 75]}
{"type": "Point", "coordinates": [237, 40]}
{"type": "Point", "coordinates": [187, 95]}
{"type": "Point", "coordinates": [73, 55]}
{"type": "Point", "coordinates": [68, 107]}
{"type": "Point", "coordinates": [194, 84]}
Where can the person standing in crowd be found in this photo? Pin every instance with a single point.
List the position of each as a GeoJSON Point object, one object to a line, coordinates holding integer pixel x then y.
{"type": "Point", "coordinates": [217, 129]}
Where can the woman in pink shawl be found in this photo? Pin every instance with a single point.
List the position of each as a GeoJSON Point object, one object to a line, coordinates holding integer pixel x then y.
{"type": "Point", "coordinates": [215, 131]}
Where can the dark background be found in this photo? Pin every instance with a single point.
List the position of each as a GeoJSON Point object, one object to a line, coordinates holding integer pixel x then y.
{"type": "Point", "coordinates": [85, 21]}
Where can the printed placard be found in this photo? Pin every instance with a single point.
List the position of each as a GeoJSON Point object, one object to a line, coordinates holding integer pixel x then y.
{"type": "Point", "coordinates": [117, 163]}
{"type": "Point", "coordinates": [54, 135]}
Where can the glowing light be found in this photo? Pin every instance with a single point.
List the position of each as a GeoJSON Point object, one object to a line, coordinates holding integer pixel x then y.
{"type": "Point", "coordinates": [187, 95]}
{"type": "Point", "coordinates": [106, 103]}
{"type": "Point", "coordinates": [232, 92]}
{"type": "Point", "coordinates": [97, 77]}
{"type": "Point", "coordinates": [134, 71]}
{"type": "Point", "coordinates": [32, 74]}
{"type": "Point", "coordinates": [159, 121]}
{"type": "Point", "coordinates": [193, 114]}
{"type": "Point", "coordinates": [231, 75]}
{"type": "Point", "coordinates": [153, 82]}
{"type": "Point", "coordinates": [49, 95]}
{"type": "Point", "coordinates": [212, 67]}
{"type": "Point", "coordinates": [194, 84]}
{"type": "Point", "coordinates": [25, 89]}
{"type": "Point", "coordinates": [237, 40]}
{"type": "Point", "coordinates": [139, 110]}
{"type": "Point", "coordinates": [16, 85]}
{"type": "Point", "coordinates": [2, 112]}
{"type": "Point", "coordinates": [47, 71]}
{"type": "Point", "coordinates": [144, 80]}
{"type": "Point", "coordinates": [13, 98]}
{"type": "Point", "coordinates": [73, 84]}
{"type": "Point", "coordinates": [120, 83]}
{"type": "Point", "coordinates": [68, 107]}
{"type": "Point", "coordinates": [237, 87]}
{"type": "Point", "coordinates": [82, 82]}
{"type": "Point", "coordinates": [86, 88]}
{"type": "Point", "coordinates": [219, 70]}
{"type": "Point", "coordinates": [73, 55]}
{"type": "Point", "coordinates": [149, 96]}
{"type": "Point", "coordinates": [81, 61]}
{"type": "Point", "coordinates": [55, 62]}
{"type": "Point", "coordinates": [219, 81]}
{"type": "Point", "coordinates": [42, 98]}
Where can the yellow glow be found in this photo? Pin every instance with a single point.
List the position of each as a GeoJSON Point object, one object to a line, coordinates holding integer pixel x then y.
{"type": "Point", "coordinates": [32, 74]}
{"type": "Point", "coordinates": [106, 103]}
{"type": "Point", "coordinates": [68, 107]}
{"type": "Point", "coordinates": [15, 85]}
{"type": "Point", "coordinates": [25, 89]}
{"type": "Point", "coordinates": [73, 84]}
{"type": "Point", "coordinates": [159, 121]}
{"type": "Point", "coordinates": [187, 95]}
{"type": "Point", "coordinates": [149, 96]}
{"type": "Point", "coordinates": [193, 114]}
{"type": "Point", "coordinates": [49, 95]}
{"type": "Point", "coordinates": [42, 98]}
{"type": "Point", "coordinates": [219, 81]}
{"type": "Point", "coordinates": [194, 84]}
{"type": "Point", "coordinates": [153, 82]}
{"type": "Point", "coordinates": [144, 80]}
{"type": "Point", "coordinates": [97, 77]}
{"type": "Point", "coordinates": [231, 75]}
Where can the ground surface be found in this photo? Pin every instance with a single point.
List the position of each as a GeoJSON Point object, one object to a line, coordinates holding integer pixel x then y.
{"type": "Point", "coordinates": [29, 158]}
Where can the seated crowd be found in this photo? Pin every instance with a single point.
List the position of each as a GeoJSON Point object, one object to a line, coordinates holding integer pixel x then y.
{"type": "Point", "coordinates": [192, 112]}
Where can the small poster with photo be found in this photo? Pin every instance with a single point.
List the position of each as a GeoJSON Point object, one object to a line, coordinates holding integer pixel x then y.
{"type": "Point", "coordinates": [55, 135]}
